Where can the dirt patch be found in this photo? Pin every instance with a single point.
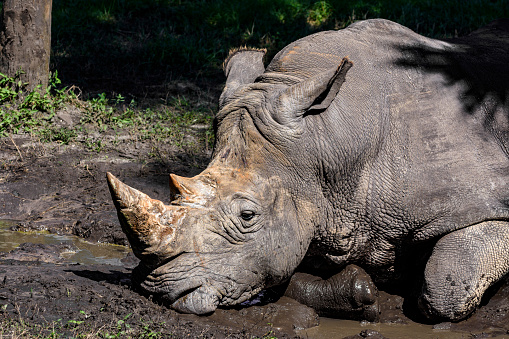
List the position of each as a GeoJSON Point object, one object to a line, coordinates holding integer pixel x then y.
{"type": "Point", "coordinates": [45, 297]}
{"type": "Point", "coordinates": [62, 188]}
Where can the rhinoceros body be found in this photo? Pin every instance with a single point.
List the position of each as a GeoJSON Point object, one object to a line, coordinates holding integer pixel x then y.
{"type": "Point", "coordinates": [358, 146]}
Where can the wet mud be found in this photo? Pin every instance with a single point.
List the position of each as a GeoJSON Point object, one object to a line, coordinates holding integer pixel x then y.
{"type": "Point", "coordinates": [54, 191]}
{"type": "Point", "coordinates": [92, 297]}
{"type": "Point", "coordinates": [489, 321]}
{"type": "Point", "coordinates": [61, 248]}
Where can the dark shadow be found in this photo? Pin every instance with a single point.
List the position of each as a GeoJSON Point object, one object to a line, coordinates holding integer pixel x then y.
{"type": "Point", "coordinates": [480, 63]}
{"type": "Point", "coordinates": [410, 265]}
{"type": "Point", "coordinates": [113, 277]}
{"type": "Point", "coordinates": [151, 48]}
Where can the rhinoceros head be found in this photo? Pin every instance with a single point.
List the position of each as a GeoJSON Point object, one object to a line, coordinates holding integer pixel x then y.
{"type": "Point", "coordinates": [237, 227]}
{"type": "Point", "coordinates": [219, 241]}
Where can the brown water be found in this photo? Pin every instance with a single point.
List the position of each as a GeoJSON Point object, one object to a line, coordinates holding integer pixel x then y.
{"type": "Point", "coordinates": [87, 253]}
{"type": "Point", "coordinates": [336, 328]}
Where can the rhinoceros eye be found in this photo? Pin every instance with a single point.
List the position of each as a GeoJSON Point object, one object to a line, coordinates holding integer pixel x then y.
{"type": "Point", "coordinates": [247, 215]}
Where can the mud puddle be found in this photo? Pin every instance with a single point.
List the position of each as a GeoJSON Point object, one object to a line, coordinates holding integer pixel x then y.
{"type": "Point", "coordinates": [491, 320]}
{"type": "Point", "coordinates": [76, 250]}
{"type": "Point", "coordinates": [336, 328]}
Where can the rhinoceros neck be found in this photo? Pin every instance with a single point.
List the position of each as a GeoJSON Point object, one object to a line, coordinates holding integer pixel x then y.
{"type": "Point", "coordinates": [359, 172]}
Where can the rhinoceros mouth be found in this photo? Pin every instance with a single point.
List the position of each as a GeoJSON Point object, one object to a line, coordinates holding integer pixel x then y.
{"type": "Point", "coordinates": [195, 295]}
{"type": "Point", "coordinates": [183, 295]}
{"type": "Point", "coordinates": [198, 284]}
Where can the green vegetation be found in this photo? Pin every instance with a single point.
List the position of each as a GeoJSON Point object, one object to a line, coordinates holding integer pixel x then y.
{"type": "Point", "coordinates": [125, 43]}
{"type": "Point", "coordinates": [36, 113]}
{"type": "Point", "coordinates": [140, 47]}
{"type": "Point", "coordinates": [83, 326]}
{"type": "Point", "coordinates": [22, 111]}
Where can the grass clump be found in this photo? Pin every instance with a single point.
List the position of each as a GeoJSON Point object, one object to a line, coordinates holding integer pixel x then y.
{"type": "Point", "coordinates": [30, 112]}
{"type": "Point", "coordinates": [172, 122]}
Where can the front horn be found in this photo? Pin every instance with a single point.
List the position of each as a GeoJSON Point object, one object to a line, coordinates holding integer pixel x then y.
{"type": "Point", "coordinates": [149, 224]}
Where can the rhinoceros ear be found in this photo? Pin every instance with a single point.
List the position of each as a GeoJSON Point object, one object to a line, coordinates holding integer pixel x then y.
{"type": "Point", "coordinates": [241, 67]}
{"type": "Point", "coordinates": [313, 94]}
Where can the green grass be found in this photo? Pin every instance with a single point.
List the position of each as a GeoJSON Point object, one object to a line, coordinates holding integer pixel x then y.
{"type": "Point", "coordinates": [23, 111]}
{"type": "Point", "coordinates": [125, 43]}
{"type": "Point", "coordinates": [171, 122]}
{"type": "Point", "coordinates": [35, 113]}
{"type": "Point", "coordinates": [82, 327]}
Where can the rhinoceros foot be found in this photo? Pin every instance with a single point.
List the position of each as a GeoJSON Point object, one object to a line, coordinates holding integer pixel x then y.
{"type": "Point", "coordinates": [348, 294]}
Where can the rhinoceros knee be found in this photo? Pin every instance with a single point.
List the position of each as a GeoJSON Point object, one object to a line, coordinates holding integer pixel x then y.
{"type": "Point", "coordinates": [463, 265]}
{"type": "Point", "coordinates": [450, 305]}
{"type": "Point", "coordinates": [348, 294]}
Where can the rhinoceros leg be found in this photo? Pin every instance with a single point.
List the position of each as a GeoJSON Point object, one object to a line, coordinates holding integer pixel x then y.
{"type": "Point", "coordinates": [462, 266]}
{"type": "Point", "coordinates": [349, 294]}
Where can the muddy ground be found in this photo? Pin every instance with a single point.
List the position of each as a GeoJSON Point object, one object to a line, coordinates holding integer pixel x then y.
{"type": "Point", "coordinates": [62, 189]}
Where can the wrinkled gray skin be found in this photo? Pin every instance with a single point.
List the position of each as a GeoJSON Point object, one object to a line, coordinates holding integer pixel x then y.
{"type": "Point", "coordinates": [404, 144]}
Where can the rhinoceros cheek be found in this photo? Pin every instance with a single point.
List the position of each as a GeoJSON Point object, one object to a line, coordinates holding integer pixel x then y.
{"type": "Point", "coordinates": [203, 300]}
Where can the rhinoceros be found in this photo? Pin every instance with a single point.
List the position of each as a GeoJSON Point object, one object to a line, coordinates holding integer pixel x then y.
{"type": "Point", "coordinates": [371, 145]}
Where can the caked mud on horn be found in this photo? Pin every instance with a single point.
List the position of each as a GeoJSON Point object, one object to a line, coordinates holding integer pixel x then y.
{"type": "Point", "coordinates": [149, 224]}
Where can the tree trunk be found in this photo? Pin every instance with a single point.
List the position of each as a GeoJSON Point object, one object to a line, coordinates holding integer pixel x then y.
{"type": "Point", "coordinates": [25, 40]}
